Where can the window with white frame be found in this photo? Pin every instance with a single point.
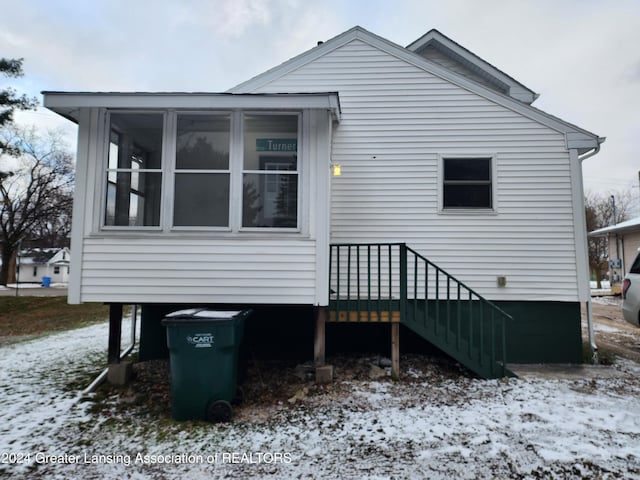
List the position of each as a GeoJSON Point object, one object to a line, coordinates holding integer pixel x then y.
{"type": "Point", "coordinates": [134, 170]}
{"type": "Point", "coordinates": [467, 183]}
{"type": "Point", "coordinates": [202, 158]}
{"type": "Point", "coordinates": [270, 171]}
{"type": "Point", "coordinates": [202, 172]}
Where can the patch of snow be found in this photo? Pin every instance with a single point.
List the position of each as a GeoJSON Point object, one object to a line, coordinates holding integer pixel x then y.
{"type": "Point", "coordinates": [605, 328]}
{"type": "Point", "coordinates": [607, 300]}
{"type": "Point", "coordinates": [25, 285]}
{"type": "Point", "coordinates": [203, 313]}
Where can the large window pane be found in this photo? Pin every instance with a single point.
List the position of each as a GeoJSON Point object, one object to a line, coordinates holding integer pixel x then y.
{"type": "Point", "coordinates": [134, 176]}
{"type": "Point", "coordinates": [270, 200]}
{"type": "Point", "coordinates": [202, 142]}
{"type": "Point", "coordinates": [201, 199]}
{"type": "Point", "coordinates": [136, 138]}
{"type": "Point", "coordinates": [467, 196]}
{"type": "Point", "coordinates": [133, 199]}
{"type": "Point", "coordinates": [462, 169]}
{"type": "Point", "coordinates": [202, 162]}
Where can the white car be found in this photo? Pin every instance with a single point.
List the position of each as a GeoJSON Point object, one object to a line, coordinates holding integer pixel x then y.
{"type": "Point", "coordinates": [631, 293]}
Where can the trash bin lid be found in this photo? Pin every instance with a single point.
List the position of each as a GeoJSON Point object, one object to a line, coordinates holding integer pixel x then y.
{"type": "Point", "coordinates": [204, 314]}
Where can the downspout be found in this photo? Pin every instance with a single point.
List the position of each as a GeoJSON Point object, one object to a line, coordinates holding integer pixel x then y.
{"type": "Point", "coordinates": [592, 338]}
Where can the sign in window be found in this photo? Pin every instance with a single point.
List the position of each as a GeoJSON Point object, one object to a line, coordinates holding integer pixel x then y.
{"type": "Point", "coordinates": [270, 171]}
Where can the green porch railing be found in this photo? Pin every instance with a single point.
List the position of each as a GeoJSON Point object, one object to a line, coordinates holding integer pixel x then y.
{"type": "Point", "coordinates": [392, 282]}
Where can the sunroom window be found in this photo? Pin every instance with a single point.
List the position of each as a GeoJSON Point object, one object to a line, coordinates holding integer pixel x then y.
{"type": "Point", "coordinates": [270, 171]}
{"type": "Point", "coordinates": [134, 170]}
{"type": "Point", "coordinates": [202, 175]}
{"type": "Point", "coordinates": [202, 170]}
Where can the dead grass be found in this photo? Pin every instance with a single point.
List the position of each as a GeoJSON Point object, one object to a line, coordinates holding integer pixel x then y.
{"type": "Point", "coordinates": [26, 316]}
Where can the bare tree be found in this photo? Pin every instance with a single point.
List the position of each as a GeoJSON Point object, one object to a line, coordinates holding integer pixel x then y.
{"type": "Point", "coordinates": [35, 190]}
{"type": "Point", "coordinates": [603, 211]}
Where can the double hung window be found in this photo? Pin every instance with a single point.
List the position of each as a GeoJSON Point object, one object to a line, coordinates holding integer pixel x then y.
{"type": "Point", "coordinates": [467, 183]}
{"type": "Point", "coordinates": [202, 174]}
{"type": "Point", "coordinates": [134, 170]}
{"type": "Point", "coordinates": [270, 171]}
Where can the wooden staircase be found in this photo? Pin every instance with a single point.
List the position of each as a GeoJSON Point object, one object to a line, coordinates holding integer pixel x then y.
{"type": "Point", "coordinates": [391, 283]}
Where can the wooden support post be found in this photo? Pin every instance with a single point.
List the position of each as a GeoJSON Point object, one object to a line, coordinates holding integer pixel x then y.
{"type": "Point", "coordinates": [395, 350]}
{"type": "Point", "coordinates": [319, 343]}
{"type": "Point", "coordinates": [115, 332]}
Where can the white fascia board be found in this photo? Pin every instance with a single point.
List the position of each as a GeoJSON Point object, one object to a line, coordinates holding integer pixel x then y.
{"type": "Point", "coordinates": [588, 140]}
{"type": "Point", "coordinates": [68, 104]}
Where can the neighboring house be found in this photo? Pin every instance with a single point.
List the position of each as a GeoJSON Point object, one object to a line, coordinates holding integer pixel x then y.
{"type": "Point", "coordinates": [624, 242]}
{"type": "Point", "coordinates": [35, 263]}
{"type": "Point", "coordinates": [228, 199]}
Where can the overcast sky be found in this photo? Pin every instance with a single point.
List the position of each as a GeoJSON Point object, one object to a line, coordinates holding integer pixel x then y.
{"type": "Point", "coordinates": [581, 56]}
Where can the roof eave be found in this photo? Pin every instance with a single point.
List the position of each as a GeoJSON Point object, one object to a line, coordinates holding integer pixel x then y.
{"type": "Point", "coordinates": [68, 104]}
{"type": "Point", "coordinates": [516, 89]}
{"type": "Point", "coordinates": [626, 226]}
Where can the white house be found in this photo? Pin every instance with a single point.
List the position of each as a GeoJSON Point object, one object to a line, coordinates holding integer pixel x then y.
{"type": "Point", "coordinates": [35, 263]}
{"type": "Point", "coordinates": [624, 242]}
{"type": "Point", "coordinates": [454, 190]}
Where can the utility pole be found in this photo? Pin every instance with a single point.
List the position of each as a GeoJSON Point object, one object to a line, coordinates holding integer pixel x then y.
{"type": "Point", "coordinates": [18, 267]}
{"type": "Point", "coordinates": [613, 208]}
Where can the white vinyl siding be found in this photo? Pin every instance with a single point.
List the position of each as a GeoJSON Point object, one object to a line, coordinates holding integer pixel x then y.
{"type": "Point", "coordinates": [199, 270]}
{"type": "Point", "coordinates": [396, 120]}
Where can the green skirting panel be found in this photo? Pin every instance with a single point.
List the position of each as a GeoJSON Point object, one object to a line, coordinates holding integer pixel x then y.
{"type": "Point", "coordinates": [153, 335]}
{"type": "Point", "coordinates": [543, 332]}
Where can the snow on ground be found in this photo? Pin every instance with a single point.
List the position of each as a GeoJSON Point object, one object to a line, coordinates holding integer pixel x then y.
{"type": "Point", "coordinates": [598, 327]}
{"type": "Point", "coordinates": [607, 300]}
{"type": "Point", "coordinates": [34, 285]}
{"type": "Point", "coordinates": [421, 427]}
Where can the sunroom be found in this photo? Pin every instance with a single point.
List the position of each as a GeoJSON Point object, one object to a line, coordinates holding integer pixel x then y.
{"type": "Point", "coordinates": [200, 198]}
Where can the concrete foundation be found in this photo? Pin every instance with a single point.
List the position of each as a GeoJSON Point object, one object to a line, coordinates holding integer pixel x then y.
{"type": "Point", "coordinates": [120, 373]}
{"type": "Point", "coordinates": [324, 374]}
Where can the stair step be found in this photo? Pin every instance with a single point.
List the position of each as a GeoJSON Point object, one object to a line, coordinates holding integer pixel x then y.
{"type": "Point", "coordinates": [365, 316]}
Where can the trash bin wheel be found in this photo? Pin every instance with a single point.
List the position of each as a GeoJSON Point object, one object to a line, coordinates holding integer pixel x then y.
{"type": "Point", "coordinates": [219, 411]}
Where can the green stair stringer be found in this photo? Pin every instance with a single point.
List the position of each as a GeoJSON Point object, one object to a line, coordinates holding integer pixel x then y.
{"type": "Point", "coordinates": [456, 344]}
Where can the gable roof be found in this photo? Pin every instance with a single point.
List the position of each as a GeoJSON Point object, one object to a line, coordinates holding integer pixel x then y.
{"type": "Point", "coordinates": [43, 256]}
{"type": "Point", "coordinates": [576, 137]}
{"type": "Point", "coordinates": [469, 61]}
{"type": "Point", "coordinates": [629, 225]}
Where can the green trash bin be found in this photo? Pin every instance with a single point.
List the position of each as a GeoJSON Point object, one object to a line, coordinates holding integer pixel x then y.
{"type": "Point", "coordinates": [203, 350]}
